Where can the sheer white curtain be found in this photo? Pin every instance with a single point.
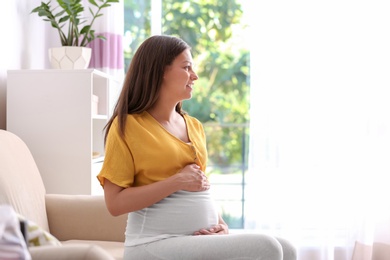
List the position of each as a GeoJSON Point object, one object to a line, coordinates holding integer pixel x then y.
{"type": "Point", "coordinates": [107, 55]}
{"type": "Point", "coordinates": [24, 43]}
{"type": "Point", "coordinates": [320, 126]}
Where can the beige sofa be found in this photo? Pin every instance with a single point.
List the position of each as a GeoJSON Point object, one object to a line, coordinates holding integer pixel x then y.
{"type": "Point", "coordinates": [81, 222]}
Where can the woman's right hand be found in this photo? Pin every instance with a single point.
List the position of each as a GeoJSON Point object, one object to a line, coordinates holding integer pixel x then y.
{"type": "Point", "coordinates": [192, 178]}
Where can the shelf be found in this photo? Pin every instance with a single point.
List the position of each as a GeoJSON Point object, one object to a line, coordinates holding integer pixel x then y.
{"type": "Point", "coordinates": [98, 160]}
{"type": "Point", "coordinates": [104, 117]}
{"type": "Point", "coordinates": [53, 112]}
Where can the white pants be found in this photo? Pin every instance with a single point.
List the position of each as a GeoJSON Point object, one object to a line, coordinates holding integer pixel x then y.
{"type": "Point", "coordinates": [214, 247]}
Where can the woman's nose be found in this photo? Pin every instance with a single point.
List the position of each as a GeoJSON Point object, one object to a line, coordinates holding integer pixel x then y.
{"type": "Point", "coordinates": [194, 76]}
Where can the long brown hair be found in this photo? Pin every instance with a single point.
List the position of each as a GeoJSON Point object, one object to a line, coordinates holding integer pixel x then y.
{"type": "Point", "coordinates": [142, 84]}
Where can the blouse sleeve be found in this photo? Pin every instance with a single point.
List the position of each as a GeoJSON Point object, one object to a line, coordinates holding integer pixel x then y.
{"type": "Point", "coordinates": [118, 165]}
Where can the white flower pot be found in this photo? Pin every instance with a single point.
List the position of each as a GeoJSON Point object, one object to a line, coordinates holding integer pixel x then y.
{"type": "Point", "coordinates": [70, 57]}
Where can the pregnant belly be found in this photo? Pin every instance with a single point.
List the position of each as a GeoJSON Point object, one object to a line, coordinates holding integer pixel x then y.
{"type": "Point", "coordinates": [182, 213]}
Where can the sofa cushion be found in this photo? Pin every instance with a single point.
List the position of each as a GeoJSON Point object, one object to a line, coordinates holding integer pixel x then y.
{"type": "Point", "coordinates": [79, 217]}
{"type": "Point", "coordinates": [115, 249]}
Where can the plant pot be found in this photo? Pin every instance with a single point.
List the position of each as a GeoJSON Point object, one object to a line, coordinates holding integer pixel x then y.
{"type": "Point", "coordinates": [70, 57]}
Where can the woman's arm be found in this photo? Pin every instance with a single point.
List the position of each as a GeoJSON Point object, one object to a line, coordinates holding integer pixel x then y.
{"type": "Point", "coordinates": [121, 200]}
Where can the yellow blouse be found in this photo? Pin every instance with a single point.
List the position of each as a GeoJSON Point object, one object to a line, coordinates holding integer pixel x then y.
{"type": "Point", "coordinates": [148, 152]}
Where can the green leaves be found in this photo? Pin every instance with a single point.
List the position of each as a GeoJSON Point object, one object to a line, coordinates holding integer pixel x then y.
{"type": "Point", "coordinates": [70, 16]}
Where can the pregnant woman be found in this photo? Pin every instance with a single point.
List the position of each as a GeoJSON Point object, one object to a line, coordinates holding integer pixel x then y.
{"type": "Point", "coordinates": [154, 167]}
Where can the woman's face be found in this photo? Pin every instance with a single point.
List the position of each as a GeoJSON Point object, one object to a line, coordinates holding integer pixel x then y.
{"type": "Point", "coordinates": [179, 78]}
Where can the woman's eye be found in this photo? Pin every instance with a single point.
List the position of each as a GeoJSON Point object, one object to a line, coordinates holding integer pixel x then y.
{"type": "Point", "coordinates": [187, 68]}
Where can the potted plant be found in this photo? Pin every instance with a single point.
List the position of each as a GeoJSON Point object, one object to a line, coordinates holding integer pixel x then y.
{"type": "Point", "coordinates": [74, 29]}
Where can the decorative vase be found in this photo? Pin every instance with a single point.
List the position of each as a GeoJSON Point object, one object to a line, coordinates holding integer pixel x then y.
{"type": "Point", "coordinates": [70, 57]}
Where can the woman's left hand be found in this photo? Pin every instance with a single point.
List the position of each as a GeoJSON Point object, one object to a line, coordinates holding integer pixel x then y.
{"type": "Point", "coordinates": [219, 229]}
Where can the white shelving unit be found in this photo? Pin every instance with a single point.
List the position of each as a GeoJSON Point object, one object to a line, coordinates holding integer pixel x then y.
{"type": "Point", "coordinates": [51, 111]}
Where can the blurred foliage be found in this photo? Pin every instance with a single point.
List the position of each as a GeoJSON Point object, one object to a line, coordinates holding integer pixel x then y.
{"type": "Point", "coordinates": [221, 94]}
{"type": "Point", "coordinates": [233, 221]}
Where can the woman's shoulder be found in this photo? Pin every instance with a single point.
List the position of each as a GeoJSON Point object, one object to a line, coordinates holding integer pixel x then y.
{"type": "Point", "coordinates": [137, 118]}
{"type": "Point", "coordinates": [132, 121]}
{"type": "Point", "coordinates": [128, 118]}
{"type": "Point", "coordinates": [136, 124]}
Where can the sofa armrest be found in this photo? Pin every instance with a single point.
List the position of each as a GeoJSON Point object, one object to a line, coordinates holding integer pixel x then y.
{"type": "Point", "coordinates": [83, 217]}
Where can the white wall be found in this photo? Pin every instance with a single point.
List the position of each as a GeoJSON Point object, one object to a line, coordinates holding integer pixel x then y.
{"type": "Point", "coordinates": [25, 39]}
